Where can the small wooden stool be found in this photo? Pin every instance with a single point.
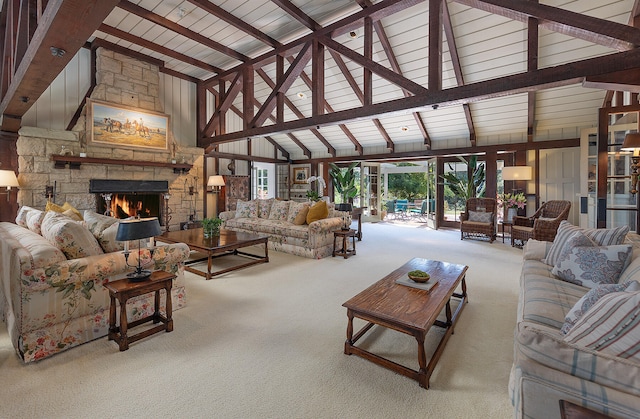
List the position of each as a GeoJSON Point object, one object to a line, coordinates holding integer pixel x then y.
{"type": "Point", "coordinates": [123, 290]}
{"type": "Point", "coordinates": [344, 251]}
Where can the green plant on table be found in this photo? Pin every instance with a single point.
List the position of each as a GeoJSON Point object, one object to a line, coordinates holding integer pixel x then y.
{"type": "Point", "coordinates": [211, 226]}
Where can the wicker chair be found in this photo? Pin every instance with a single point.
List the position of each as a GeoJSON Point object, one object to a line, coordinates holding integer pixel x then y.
{"type": "Point", "coordinates": [473, 224]}
{"type": "Point", "coordinates": [543, 225]}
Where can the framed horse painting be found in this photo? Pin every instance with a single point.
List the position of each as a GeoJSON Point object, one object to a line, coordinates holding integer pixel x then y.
{"type": "Point", "coordinates": [127, 127]}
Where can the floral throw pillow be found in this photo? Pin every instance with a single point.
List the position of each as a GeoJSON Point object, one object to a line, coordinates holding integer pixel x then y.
{"type": "Point", "coordinates": [592, 266]}
{"type": "Point", "coordinates": [247, 209]}
{"type": "Point", "coordinates": [589, 299]}
{"type": "Point", "coordinates": [264, 207]}
{"type": "Point", "coordinates": [279, 210]}
{"type": "Point", "coordinates": [480, 217]}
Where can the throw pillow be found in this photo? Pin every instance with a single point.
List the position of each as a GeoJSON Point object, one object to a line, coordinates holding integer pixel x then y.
{"type": "Point", "coordinates": [577, 239]}
{"type": "Point", "coordinates": [264, 207]}
{"type": "Point", "coordinates": [279, 210]}
{"type": "Point", "coordinates": [589, 299]}
{"type": "Point", "coordinates": [74, 239]}
{"type": "Point", "coordinates": [611, 326]}
{"type": "Point", "coordinates": [65, 207]}
{"type": "Point", "coordinates": [53, 207]}
{"type": "Point", "coordinates": [246, 209]}
{"type": "Point", "coordinates": [318, 211]}
{"type": "Point", "coordinates": [632, 272]}
{"type": "Point", "coordinates": [34, 220]}
{"type": "Point", "coordinates": [295, 208]}
{"type": "Point", "coordinates": [480, 217]}
{"type": "Point", "coordinates": [601, 236]}
{"type": "Point", "coordinates": [21, 218]}
{"type": "Point", "coordinates": [591, 266]}
{"type": "Point", "coordinates": [301, 218]}
{"type": "Point", "coordinates": [107, 239]}
{"type": "Point", "coordinates": [97, 223]}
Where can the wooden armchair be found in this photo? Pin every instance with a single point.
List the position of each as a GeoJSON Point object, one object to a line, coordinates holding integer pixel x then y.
{"type": "Point", "coordinates": [543, 225]}
{"type": "Point", "coordinates": [479, 219]}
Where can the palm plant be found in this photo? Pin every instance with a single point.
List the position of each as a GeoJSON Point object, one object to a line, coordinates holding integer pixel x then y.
{"type": "Point", "coordinates": [344, 181]}
{"type": "Point", "coordinates": [472, 186]}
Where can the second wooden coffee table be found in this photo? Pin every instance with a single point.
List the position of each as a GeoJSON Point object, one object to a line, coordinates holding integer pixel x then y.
{"type": "Point", "coordinates": [226, 243]}
{"type": "Point", "coordinates": [408, 310]}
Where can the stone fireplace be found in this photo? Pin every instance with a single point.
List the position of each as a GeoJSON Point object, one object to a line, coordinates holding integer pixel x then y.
{"type": "Point", "coordinates": [126, 81]}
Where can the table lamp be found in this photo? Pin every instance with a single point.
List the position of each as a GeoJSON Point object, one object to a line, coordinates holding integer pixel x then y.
{"type": "Point", "coordinates": [137, 229]}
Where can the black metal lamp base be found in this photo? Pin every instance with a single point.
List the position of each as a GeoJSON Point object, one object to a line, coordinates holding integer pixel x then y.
{"type": "Point", "coordinates": [139, 275]}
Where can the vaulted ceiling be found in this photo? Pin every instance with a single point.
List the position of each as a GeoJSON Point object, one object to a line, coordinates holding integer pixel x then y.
{"type": "Point", "coordinates": [332, 78]}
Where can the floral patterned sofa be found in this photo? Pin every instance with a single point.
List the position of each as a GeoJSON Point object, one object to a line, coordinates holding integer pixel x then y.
{"type": "Point", "coordinates": [286, 233]}
{"type": "Point", "coordinates": [53, 268]}
{"type": "Point", "coordinates": [578, 324]}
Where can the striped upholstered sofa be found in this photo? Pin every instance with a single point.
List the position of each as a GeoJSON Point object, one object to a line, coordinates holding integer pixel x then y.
{"type": "Point", "coordinates": [583, 350]}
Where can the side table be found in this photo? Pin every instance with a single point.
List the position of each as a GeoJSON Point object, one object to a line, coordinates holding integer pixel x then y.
{"type": "Point", "coordinates": [122, 290]}
{"type": "Point", "coordinates": [510, 225]}
{"type": "Point", "coordinates": [344, 235]}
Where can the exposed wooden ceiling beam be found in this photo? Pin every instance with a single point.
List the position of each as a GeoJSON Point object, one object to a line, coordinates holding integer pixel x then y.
{"type": "Point", "coordinates": [627, 80]}
{"type": "Point", "coordinates": [187, 33]}
{"type": "Point", "coordinates": [599, 31]}
{"type": "Point", "coordinates": [378, 69]}
{"type": "Point", "coordinates": [298, 14]}
{"type": "Point", "coordinates": [356, 89]}
{"type": "Point", "coordinates": [38, 68]}
{"type": "Point", "coordinates": [376, 12]}
{"type": "Point", "coordinates": [110, 30]}
{"type": "Point", "coordinates": [330, 149]}
{"type": "Point", "coordinates": [457, 67]}
{"type": "Point", "coordinates": [544, 78]}
{"type": "Point", "coordinates": [225, 103]}
{"type": "Point", "coordinates": [451, 152]}
{"type": "Point", "coordinates": [395, 66]}
{"type": "Point", "coordinates": [292, 73]}
{"type": "Point", "coordinates": [222, 14]}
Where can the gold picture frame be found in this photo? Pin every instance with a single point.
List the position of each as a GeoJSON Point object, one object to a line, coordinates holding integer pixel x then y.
{"type": "Point", "coordinates": [300, 174]}
{"type": "Point", "coordinates": [127, 127]}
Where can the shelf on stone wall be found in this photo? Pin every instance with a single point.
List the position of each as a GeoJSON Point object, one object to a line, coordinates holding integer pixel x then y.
{"type": "Point", "coordinates": [74, 162]}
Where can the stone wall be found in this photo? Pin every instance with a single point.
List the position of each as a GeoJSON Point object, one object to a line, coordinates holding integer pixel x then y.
{"type": "Point", "coordinates": [120, 80]}
{"type": "Point", "coordinates": [36, 145]}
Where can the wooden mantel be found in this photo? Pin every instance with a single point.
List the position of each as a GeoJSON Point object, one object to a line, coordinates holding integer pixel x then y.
{"type": "Point", "coordinates": [74, 163]}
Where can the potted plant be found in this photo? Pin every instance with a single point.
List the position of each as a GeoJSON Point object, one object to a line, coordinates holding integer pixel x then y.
{"type": "Point", "coordinates": [211, 227]}
{"type": "Point", "coordinates": [344, 181]}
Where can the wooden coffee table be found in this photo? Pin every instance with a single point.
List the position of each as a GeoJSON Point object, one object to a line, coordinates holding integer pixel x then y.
{"type": "Point", "coordinates": [226, 243]}
{"type": "Point", "coordinates": [408, 310]}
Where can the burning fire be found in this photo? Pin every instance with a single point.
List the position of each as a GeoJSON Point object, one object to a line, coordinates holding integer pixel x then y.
{"type": "Point", "coordinates": [121, 205]}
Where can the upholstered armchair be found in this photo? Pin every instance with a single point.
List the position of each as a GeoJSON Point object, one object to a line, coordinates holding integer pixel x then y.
{"type": "Point", "coordinates": [479, 219]}
{"type": "Point", "coordinates": [543, 225]}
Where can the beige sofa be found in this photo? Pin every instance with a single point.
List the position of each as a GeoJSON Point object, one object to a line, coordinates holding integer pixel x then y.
{"type": "Point", "coordinates": [53, 268]}
{"type": "Point", "coordinates": [583, 360]}
{"type": "Point", "coordinates": [277, 219]}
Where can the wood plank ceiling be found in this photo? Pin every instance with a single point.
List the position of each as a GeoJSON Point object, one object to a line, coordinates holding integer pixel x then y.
{"type": "Point", "coordinates": [338, 78]}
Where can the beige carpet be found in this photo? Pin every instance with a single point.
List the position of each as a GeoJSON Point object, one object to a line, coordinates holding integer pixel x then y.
{"type": "Point", "coordinates": [267, 342]}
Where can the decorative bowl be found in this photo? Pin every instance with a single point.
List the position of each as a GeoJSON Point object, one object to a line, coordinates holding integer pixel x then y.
{"type": "Point", "coordinates": [419, 276]}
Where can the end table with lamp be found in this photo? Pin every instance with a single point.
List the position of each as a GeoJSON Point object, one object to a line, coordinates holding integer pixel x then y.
{"type": "Point", "coordinates": [137, 283]}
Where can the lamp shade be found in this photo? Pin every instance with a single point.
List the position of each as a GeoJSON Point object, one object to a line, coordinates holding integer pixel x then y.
{"type": "Point", "coordinates": [517, 173]}
{"type": "Point", "coordinates": [137, 229]}
{"type": "Point", "coordinates": [631, 142]}
{"type": "Point", "coordinates": [8, 178]}
{"type": "Point", "coordinates": [216, 180]}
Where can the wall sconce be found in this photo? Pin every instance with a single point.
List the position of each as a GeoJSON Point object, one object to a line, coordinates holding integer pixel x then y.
{"type": "Point", "coordinates": [632, 143]}
{"type": "Point", "coordinates": [8, 180]}
{"type": "Point", "coordinates": [215, 182]}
